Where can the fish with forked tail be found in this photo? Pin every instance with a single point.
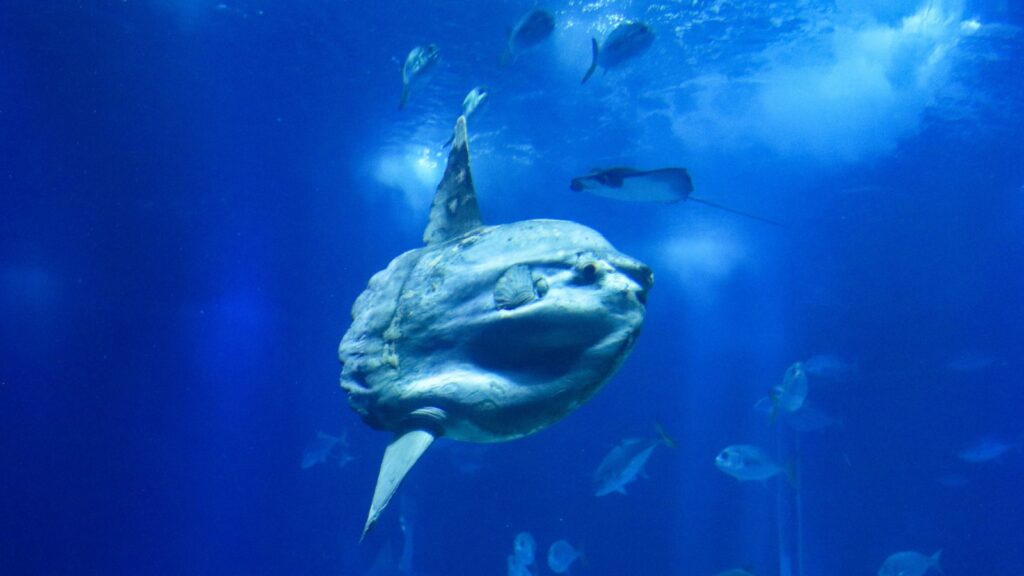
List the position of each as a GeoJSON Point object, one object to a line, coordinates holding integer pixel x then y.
{"type": "Point", "coordinates": [627, 41]}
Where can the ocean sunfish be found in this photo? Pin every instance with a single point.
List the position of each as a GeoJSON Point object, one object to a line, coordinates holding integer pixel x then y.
{"type": "Point", "coordinates": [418, 65]}
{"type": "Point", "coordinates": [664, 185]}
{"type": "Point", "coordinates": [487, 333]}
{"type": "Point", "coordinates": [627, 41]}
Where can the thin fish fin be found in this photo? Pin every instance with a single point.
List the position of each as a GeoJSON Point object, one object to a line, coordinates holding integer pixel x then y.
{"type": "Point", "coordinates": [933, 561]}
{"type": "Point", "coordinates": [734, 211]}
{"type": "Point", "coordinates": [593, 62]}
{"type": "Point", "coordinates": [399, 458]}
{"type": "Point", "coordinates": [665, 438]}
{"type": "Point", "coordinates": [405, 96]}
{"type": "Point", "coordinates": [454, 211]}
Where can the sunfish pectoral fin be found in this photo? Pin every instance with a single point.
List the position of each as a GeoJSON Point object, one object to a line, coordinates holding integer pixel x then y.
{"type": "Point", "coordinates": [593, 62]}
{"type": "Point", "coordinates": [399, 457]}
{"type": "Point", "coordinates": [454, 211]}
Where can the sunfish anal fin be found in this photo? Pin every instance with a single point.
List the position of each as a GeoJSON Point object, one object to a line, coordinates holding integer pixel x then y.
{"type": "Point", "coordinates": [454, 211]}
{"type": "Point", "coordinates": [399, 457]}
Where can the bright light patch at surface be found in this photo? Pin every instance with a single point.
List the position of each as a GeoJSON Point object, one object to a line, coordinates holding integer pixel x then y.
{"type": "Point", "coordinates": [854, 93]}
{"type": "Point", "coordinates": [415, 171]}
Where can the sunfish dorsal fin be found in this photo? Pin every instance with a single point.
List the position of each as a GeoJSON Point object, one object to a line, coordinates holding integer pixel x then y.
{"type": "Point", "coordinates": [454, 211]}
{"type": "Point", "coordinates": [399, 457]}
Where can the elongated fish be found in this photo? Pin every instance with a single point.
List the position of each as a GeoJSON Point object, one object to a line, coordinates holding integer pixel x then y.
{"type": "Point", "coordinates": [625, 462]}
{"type": "Point", "coordinates": [663, 185]}
{"type": "Point", "coordinates": [627, 41]}
{"type": "Point", "coordinates": [418, 64]}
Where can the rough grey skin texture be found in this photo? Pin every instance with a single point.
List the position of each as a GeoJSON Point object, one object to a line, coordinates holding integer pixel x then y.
{"type": "Point", "coordinates": [487, 333]}
{"type": "Point", "coordinates": [428, 347]}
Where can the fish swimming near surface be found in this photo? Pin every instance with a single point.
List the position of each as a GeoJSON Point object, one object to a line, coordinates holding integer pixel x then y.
{"type": "Point", "coordinates": [326, 447]}
{"type": "Point", "coordinates": [627, 41]}
{"type": "Point", "coordinates": [663, 185]}
{"type": "Point", "coordinates": [910, 563]}
{"type": "Point", "coordinates": [488, 333]}
{"type": "Point", "coordinates": [533, 28]}
{"type": "Point", "coordinates": [418, 65]}
{"type": "Point", "coordinates": [745, 462]}
{"type": "Point", "coordinates": [625, 462]}
{"type": "Point", "coordinates": [475, 101]}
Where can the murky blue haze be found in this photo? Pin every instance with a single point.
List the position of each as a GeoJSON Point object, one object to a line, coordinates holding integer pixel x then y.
{"type": "Point", "coordinates": [195, 192]}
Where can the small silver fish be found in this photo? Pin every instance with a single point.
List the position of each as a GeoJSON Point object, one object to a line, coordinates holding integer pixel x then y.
{"type": "Point", "coordinates": [326, 447]}
{"type": "Point", "coordinates": [418, 64]}
{"type": "Point", "coordinates": [532, 29]}
{"type": "Point", "coordinates": [625, 462]}
{"type": "Point", "coordinates": [790, 395]}
{"type": "Point", "coordinates": [910, 564]}
{"type": "Point", "coordinates": [525, 548]}
{"type": "Point", "coordinates": [475, 101]}
{"type": "Point", "coordinates": [561, 556]}
{"type": "Point", "coordinates": [746, 462]}
{"type": "Point", "coordinates": [986, 450]}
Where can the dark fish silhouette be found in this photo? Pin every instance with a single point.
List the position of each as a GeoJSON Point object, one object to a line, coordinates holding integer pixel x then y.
{"type": "Point", "coordinates": [418, 64]}
{"type": "Point", "coordinates": [626, 41]}
{"type": "Point", "coordinates": [666, 185]}
{"type": "Point", "coordinates": [532, 29]}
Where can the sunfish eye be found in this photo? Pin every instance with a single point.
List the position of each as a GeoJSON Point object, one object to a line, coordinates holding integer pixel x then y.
{"type": "Point", "coordinates": [588, 270]}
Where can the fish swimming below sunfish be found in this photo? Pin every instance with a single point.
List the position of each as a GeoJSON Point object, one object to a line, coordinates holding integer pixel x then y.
{"type": "Point", "coordinates": [663, 185]}
{"type": "Point", "coordinates": [910, 563]}
{"type": "Point", "coordinates": [533, 28]}
{"type": "Point", "coordinates": [326, 447]}
{"type": "Point", "coordinates": [627, 41]}
{"type": "Point", "coordinates": [416, 70]}
{"type": "Point", "coordinates": [625, 462]}
{"type": "Point", "coordinates": [745, 462]}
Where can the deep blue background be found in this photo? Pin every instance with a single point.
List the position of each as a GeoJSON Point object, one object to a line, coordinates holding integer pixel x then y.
{"type": "Point", "coordinates": [191, 205]}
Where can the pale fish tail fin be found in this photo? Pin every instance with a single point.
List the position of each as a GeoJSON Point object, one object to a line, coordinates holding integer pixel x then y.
{"type": "Point", "coordinates": [734, 211]}
{"type": "Point", "coordinates": [665, 438]}
{"type": "Point", "coordinates": [399, 458]}
{"type": "Point", "coordinates": [933, 561]}
{"type": "Point", "coordinates": [593, 62]}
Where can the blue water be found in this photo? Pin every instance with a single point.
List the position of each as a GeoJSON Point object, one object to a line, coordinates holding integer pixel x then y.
{"type": "Point", "coordinates": [195, 192]}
